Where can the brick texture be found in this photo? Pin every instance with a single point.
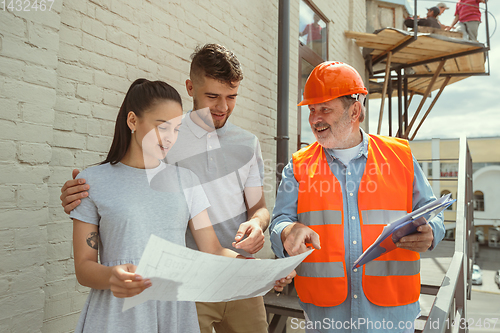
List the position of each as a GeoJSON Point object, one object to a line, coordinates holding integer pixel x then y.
{"type": "Point", "coordinates": [63, 76]}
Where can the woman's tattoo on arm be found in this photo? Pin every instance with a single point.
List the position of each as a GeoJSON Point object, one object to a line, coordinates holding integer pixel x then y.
{"type": "Point", "coordinates": [93, 240]}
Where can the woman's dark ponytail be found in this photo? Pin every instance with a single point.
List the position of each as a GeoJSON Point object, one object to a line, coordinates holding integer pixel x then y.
{"type": "Point", "coordinates": [141, 96]}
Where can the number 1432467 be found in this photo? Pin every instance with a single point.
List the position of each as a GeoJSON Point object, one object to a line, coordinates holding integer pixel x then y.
{"type": "Point", "coordinates": [486, 323]}
{"type": "Point", "coordinates": [26, 5]}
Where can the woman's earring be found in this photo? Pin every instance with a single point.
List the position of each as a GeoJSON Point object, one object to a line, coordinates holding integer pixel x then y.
{"type": "Point", "coordinates": [133, 131]}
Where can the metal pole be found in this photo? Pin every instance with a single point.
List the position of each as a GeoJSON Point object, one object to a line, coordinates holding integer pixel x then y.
{"type": "Point", "coordinates": [487, 25]}
{"type": "Point", "coordinates": [407, 106]}
{"type": "Point", "coordinates": [400, 103]}
{"type": "Point", "coordinates": [415, 25]}
{"type": "Point", "coordinates": [283, 87]}
{"type": "Point", "coordinates": [426, 94]}
{"type": "Point", "coordinates": [384, 90]}
{"type": "Point", "coordinates": [461, 229]}
{"type": "Point", "coordinates": [389, 106]}
{"type": "Point", "coordinates": [445, 83]}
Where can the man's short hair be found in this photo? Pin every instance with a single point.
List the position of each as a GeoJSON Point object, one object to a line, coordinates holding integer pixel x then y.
{"type": "Point", "coordinates": [347, 101]}
{"type": "Point", "coordinates": [216, 62]}
{"type": "Point", "coordinates": [435, 11]}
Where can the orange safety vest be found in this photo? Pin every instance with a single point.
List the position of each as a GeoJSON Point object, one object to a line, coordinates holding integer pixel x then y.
{"type": "Point", "coordinates": [384, 194]}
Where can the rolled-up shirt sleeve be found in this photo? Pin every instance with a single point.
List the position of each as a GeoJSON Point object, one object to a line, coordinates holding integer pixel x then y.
{"type": "Point", "coordinates": [422, 195]}
{"type": "Point", "coordinates": [285, 208]}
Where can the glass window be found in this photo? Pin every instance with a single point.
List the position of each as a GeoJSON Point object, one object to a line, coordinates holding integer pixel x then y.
{"type": "Point", "coordinates": [312, 30]}
{"type": "Point", "coordinates": [312, 52]}
{"type": "Point", "coordinates": [449, 170]}
{"type": "Point", "coordinates": [306, 135]}
{"type": "Point", "coordinates": [478, 199]}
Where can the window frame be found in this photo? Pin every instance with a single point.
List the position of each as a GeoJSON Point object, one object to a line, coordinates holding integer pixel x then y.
{"type": "Point", "coordinates": [478, 201]}
{"type": "Point", "coordinates": [307, 54]}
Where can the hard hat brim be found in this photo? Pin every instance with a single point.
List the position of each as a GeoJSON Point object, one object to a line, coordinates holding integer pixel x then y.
{"type": "Point", "coordinates": [320, 100]}
{"type": "Point", "coordinates": [323, 99]}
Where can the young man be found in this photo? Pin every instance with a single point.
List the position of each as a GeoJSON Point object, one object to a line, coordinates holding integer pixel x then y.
{"type": "Point", "coordinates": [429, 21]}
{"type": "Point", "coordinates": [228, 162]}
{"type": "Point", "coordinates": [337, 194]}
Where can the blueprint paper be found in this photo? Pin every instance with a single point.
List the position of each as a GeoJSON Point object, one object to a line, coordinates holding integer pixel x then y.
{"type": "Point", "coordinates": [178, 273]}
{"type": "Point", "coordinates": [401, 227]}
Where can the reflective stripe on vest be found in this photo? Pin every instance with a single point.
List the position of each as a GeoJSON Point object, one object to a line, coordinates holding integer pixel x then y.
{"type": "Point", "coordinates": [321, 269]}
{"type": "Point", "coordinates": [387, 268]}
{"type": "Point", "coordinates": [393, 279]}
{"type": "Point", "coordinates": [381, 216]}
{"type": "Point", "coordinates": [320, 217]}
{"type": "Point", "coordinates": [384, 194]}
{"type": "Point", "coordinates": [320, 207]}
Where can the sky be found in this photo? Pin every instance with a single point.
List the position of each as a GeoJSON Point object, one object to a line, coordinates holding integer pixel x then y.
{"type": "Point", "coordinates": [468, 107]}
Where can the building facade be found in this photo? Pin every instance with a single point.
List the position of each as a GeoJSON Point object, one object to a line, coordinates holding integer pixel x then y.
{"type": "Point", "coordinates": [64, 72]}
{"type": "Point", "coordinates": [387, 14]}
{"type": "Point", "coordinates": [439, 160]}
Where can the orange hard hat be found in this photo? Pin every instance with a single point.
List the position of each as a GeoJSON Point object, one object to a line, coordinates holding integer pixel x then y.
{"type": "Point", "coordinates": [332, 79]}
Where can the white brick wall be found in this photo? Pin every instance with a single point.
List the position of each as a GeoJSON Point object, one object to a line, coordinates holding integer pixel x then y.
{"type": "Point", "coordinates": [63, 76]}
{"type": "Point", "coordinates": [28, 62]}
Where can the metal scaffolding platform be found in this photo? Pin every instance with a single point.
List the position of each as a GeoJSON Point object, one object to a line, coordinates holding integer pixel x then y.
{"type": "Point", "coordinates": [423, 62]}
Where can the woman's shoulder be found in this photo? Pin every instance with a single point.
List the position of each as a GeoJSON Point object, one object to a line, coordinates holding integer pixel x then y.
{"type": "Point", "coordinates": [97, 171]}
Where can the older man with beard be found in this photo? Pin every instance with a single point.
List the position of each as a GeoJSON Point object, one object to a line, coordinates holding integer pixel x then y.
{"type": "Point", "coordinates": [337, 195]}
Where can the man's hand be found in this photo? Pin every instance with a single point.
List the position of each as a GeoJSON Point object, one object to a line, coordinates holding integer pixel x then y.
{"type": "Point", "coordinates": [420, 241]}
{"type": "Point", "coordinates": [255, 237]}
{"type": "Point", "coordinates": [125, 283]}
{"type": "Point", "coordinates": [296, 235]}
{"type": "Point", "coordinates": [279, 284]}
{"type": "Point", "coordinates": [72, 192]}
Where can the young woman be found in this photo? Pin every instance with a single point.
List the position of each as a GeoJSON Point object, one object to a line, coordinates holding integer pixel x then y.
{"type": "Point", "coordinates": [123, 209]}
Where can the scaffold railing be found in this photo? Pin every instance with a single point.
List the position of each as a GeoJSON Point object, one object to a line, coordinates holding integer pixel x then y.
{"type": "Point", "coordinates": [450, 305]}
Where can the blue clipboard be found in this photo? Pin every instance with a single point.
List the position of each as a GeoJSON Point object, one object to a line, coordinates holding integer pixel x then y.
{"type": "Point", "coordinates": [401, 227]}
